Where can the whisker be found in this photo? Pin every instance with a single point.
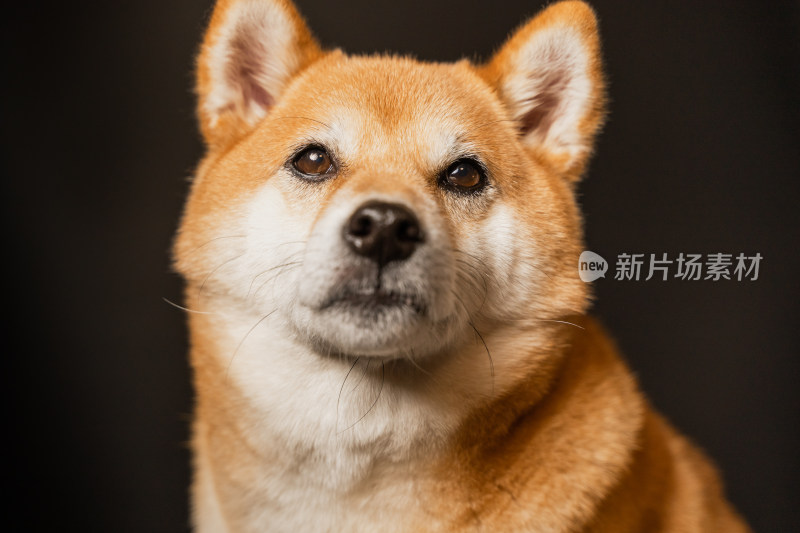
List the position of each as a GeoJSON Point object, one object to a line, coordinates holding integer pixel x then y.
{"type": "Point", "coordinates": [413, 362]}
{"type": "Point", "coordinates": [560, 322]}
{"type": "Point", "coordinates": [364, 373]}
{"type": "Point", "coordinates": [213, 240]}
{"type": "Point", "coordinates": [478, 333]}
{"type": "Point", "coordinates": [522, 261]}
{"type": "Point", "coordinates": [202, 285]}
{"type": "Point", "coordinates": [488, 353]}
{"type": "Point", "coordinates": [268, 271]}
{"type": "Point", "coordinates": [523, 319]}
{"type": "Point", "coordinates": [260, 320]}
{"type": "Point", "coordinates": [454, 293]}
{"type": "Point", "coordinates": [383, 380]}
{"type": "Point", "coordinates": [306, 118]}
{"type": "Point", "coordinates": [286, 267]}
{"type": "Point", "coordinates": [339, 398]}
{"type": "Point", "coordinates": [478, 275]}
{"type": "Point", "coordinates": [182, 308]}
{"type": "Point", "coordinates": [473, 267]}
{"type": "Point", "coordinates": [471, 256]}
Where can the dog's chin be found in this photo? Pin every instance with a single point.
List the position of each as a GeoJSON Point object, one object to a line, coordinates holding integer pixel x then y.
{"type": "Point", "coordinates": [384, 325]}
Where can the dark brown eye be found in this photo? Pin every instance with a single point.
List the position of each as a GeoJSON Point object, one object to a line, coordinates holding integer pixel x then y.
{"type": "Point", "coordinates": [313, 161]}
{"type": "Point", "coordinates": [464, 175]}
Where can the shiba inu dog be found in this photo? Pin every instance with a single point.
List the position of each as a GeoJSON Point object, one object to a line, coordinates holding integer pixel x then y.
{"type": "Point", "coordinates": [388, 330]}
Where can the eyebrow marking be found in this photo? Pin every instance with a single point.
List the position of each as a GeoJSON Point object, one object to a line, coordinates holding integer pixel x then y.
{"type": "Point", "coordinates": [300, 117]}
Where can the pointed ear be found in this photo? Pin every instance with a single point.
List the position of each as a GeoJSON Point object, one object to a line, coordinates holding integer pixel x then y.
{"type": "Point", "coordinates": [251, 50]}
{"type": "Point", "coordinates": [549, 75]}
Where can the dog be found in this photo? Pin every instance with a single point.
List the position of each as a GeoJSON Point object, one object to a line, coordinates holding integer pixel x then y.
{"type": "Point", "coordinates": [387, 327]}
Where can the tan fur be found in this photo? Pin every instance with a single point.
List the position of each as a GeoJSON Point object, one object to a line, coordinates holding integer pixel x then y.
{"type": "Point", "coordinates": [506, 409]}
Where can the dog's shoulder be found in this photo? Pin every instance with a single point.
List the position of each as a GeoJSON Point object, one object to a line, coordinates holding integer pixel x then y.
{"type": "Point", "coordinates": [591, 453]}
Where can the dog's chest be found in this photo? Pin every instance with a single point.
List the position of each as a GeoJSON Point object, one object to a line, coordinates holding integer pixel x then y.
{"type": "Point", "coordinates": [380, 506]}
{"type": "Point", "coordinates": [296, 500]}
{"type": "Point", "coordinates": [334, 450]}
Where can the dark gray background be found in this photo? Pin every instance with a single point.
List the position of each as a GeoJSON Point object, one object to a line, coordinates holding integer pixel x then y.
{"type": "Point", "coordinates": [98, 139]}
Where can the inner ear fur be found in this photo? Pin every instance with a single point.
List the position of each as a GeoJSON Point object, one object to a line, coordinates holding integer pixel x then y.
{"type": "Point", "coordinates": [250, 52]}
{"type": "Point", "coordinates": [549, 75]}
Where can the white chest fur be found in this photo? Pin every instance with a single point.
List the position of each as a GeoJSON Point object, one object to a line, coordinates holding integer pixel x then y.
{"type": "Point", "coordinates": [316, 443]}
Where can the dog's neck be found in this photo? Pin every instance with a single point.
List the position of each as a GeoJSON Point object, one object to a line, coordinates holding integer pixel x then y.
{"type": "Point", "coordinates": [346, 416]}
{"type": "Point", "coordinates": [291, 428]}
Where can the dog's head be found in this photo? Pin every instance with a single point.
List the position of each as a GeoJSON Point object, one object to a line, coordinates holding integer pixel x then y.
{"type": "Point", "coordinates": [383, 206]}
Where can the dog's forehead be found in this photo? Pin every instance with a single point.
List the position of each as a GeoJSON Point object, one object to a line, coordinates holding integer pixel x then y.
{"type": "Point", "coordinates": [395, 105]}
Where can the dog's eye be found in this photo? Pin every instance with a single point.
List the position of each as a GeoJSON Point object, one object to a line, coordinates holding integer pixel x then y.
{"type": "Point", "coordinates": [313, 161]}
{"type": "Point", "coordinates": [463, 175]}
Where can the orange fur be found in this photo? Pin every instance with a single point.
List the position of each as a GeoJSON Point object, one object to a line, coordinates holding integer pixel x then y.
{"type": "Point", "coordinates": [548, 433]}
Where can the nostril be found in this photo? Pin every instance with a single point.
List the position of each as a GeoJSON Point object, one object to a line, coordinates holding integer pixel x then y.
{"type": "Point", "coordinates": [408, 231]}
{"type": "Point", "coordinates": [360, 226]}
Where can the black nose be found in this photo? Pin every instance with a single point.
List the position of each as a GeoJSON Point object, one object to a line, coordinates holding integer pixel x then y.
{"type": "Point", "coordinates": [383, 232]}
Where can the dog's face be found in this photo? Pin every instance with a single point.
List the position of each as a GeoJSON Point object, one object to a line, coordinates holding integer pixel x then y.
{"type": "Point", "coordinates": [384, 207]}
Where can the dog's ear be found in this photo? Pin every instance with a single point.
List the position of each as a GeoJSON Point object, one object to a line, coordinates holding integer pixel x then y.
{"type": "Point", "coordinates": [251, 50]}
{"type": "Point", "coordinates": [549, 75]}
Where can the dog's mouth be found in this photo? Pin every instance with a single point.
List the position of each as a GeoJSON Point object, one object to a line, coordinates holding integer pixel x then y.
{"type": "Point", "coordinates": [374, 302]}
